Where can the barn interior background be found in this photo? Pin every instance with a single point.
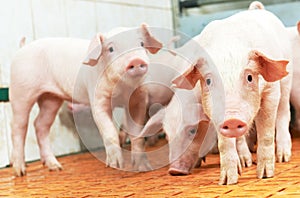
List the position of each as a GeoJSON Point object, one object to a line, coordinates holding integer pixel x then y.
{"type": "Point", "coordinates": [36, 19]}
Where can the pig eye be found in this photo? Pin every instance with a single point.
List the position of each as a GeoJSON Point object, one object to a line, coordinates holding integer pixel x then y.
{"type": "Point", "coordinates": [111, 49]}
{"type": "Point", "coordinates": [249, 78]}
{"type": "Point", "coordinates": [208, 81]}
{"type": "Point", "coordinates": [142, 43]}
{"type": "Point", "coordinates": [192, 131]}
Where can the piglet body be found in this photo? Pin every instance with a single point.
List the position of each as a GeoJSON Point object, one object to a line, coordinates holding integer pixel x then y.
{"type": "Point", "coordinates": [245, 76]}
{"type": "Point", "coordinates": [49, 71]}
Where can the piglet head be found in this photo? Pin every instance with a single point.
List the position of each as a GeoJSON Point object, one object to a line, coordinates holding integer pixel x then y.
{"type": "Point", "coordinates": [122, 54]}
{"type": "Point", "coordinates": [125, 44]}
{"type": "Point", "coordinates": [237, 122]}
{"type": "Point", "coordinates": [234, 96]}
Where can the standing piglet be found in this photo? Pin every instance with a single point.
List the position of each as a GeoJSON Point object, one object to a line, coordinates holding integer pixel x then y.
{"type": "Point", "coordinates": [48, 71]}
{"type": "Point", "coordinates": [250, 51]}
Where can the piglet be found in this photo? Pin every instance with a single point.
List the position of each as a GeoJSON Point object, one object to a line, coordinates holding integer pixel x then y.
{"type": "Point", "coordinates": [189, 134]}
{"type": "Point", "coordinates": [252, 62]}
{"type": "Point", "coordinates": [49, 71]}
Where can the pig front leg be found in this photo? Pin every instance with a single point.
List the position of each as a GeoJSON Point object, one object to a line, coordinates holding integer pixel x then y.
{"type": "Point", "coordinates": [102, 113]}
{"type": "Point", "coordinates": [283, 137]}
{"type": "Point", "coordinates": [243, 151]}
{"type": "Point", "coordinates": [134, 121]}
{"type": "Point", "coordinates": [265, 125]}
{"type": "Point", "coordinates": [229, 160]}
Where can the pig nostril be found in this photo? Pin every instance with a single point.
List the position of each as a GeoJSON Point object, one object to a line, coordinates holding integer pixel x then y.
{"type": "Point", "coordinates": [240, 126]}
{"type": "Point", "coordinates": [225, 127]}
{"type": "Point", "coordinates": [131, 67]}
{"type": "Point", "coordinates": [142, 65]}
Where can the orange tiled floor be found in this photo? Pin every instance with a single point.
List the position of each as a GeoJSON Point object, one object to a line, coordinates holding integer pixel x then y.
{"type": "Point", "coordinates": [85, 176]}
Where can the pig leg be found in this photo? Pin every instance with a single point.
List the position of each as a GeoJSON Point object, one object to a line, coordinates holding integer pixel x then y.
{"type": "Point", "coordinates": [243, 151]}
{"type": "Point", "coordinates": [283, 137]}
{"type": "Point", "coordinates": [229, 160]}
{"type": "Point", "coordinates": [295, 100]}
{"type": "Point", "coordinates": [296, 104]}
{"type": "Point", "coordinates": [21, 110]}
{"type": "Point", "coordinates": [102, 114]}
{"type": "Point", "coordinates": [265, 124]}
{"type": "Point", "coordinates": [49, 105]}
{"type": "Point", "coordinates": [135, 119]}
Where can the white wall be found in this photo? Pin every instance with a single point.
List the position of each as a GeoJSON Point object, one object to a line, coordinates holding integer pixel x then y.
{"type": "Point", "coordinates": [35, 19]}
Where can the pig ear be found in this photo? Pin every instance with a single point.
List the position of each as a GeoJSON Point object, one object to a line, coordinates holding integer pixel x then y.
{"type": "Point", "coordinates": [150, 42]}
{"type": "Point", "coordinates": [190, 77]}
{"type": "Point", "coordinates": [271, 70]}
{"type": "Point", "coordinates": [94, 50]}
{"type": "Point", "coordinates": [202, 116]}
{"type": "Point", "coordinates": [298, 27]}
{"type": "Point", "coordinates": [154, 124]}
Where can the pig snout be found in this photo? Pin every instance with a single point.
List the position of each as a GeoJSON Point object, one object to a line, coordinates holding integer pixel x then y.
{"type": "Point", "coordinates": [136, 67]}
{"type": "Point", "coordinates": [233, 128]}
{"type": "Point", "coordinates": [180, 167]}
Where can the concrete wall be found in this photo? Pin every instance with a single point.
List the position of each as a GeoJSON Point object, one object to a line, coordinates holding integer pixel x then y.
{"type": "Point", "coordinates": [36, 19]}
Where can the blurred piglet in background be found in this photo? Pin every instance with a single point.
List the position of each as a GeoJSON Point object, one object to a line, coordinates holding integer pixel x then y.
{"type": "Point", "coordinates": [294, 33]}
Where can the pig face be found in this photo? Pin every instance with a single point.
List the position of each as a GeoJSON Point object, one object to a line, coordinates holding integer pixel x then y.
{"type": "Point", "coordinates": [186, 127]}
{"type": "Point", "coordinates": [241, 86]}
{"type": "Point", "coordinates": [122, 55]}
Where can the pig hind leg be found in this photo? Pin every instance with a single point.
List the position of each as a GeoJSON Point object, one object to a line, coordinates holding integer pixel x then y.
{"type": "Point", "coordinates": [296, 110]}
{"type": "Point", "coordinates": [49, 105]}
{"type": "Point", "coordinates": [21, 108]}
{"type": "Point", "coordinates": [283, 137]}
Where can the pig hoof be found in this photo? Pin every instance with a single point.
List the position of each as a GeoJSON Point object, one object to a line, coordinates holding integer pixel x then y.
{"type": "Point", "coordinates": [230, 170]}
{"type": "Point", "coordinates": [265, 172]}
{"type": "Point", "coordinates": [52, 163]}
{"type": "Point", "coordinates": [265, 166]}
{"type": "Point", "coordinates": [19, 171]}
{"type": "Point", "coordinates": [246, 160]}
{"type": "Point", "coordinates": [177, 172]}
{"type": "Point", "coordinates": [115, 161]}
{"type": "Point", "coordinates": [283, 154]}
{"type": "Point", "coordinates": [199, 162]}
{"type": "Point", "coordinates": [140, 162]}
{"type": "Point", "coordinates": [229, 178]}
{"type": "Point", "coordinates": [54, 166]}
